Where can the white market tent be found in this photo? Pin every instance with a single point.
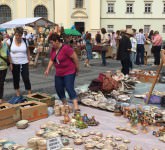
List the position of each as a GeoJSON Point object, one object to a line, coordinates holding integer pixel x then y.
{"type": "Point", "coordinates": [32, 22]}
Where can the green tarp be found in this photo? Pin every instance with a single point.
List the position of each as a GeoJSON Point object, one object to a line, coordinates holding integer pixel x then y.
{"type": "Point", "coordinates": [72, 32]}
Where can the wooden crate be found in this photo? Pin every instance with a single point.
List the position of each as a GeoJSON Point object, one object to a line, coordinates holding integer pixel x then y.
{"type": "Point", "coordinates": [41, 97]}
{"type": "Point", "coordinates": [33, 110]}
{"type": "Point", "coordinates": [7, 116]}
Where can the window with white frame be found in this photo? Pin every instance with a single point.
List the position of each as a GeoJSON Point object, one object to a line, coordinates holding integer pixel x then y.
{"type": "Point", "coordinates": [163, 28]}
{"type": "Point", "coordinates": [110, 28]}
{"type": "Point", "coordinates": [128, 26]}
{"type": "Point", "coordinates": [79, 3]}
{"type": "Point", "coordinates": [164, 8]}
{"type": "Point", "coordinates": [110, 7]}
{"type": "Point", "coordinates": [129, 8]}
{"type": "Point", "coordinates": [146, 28]}
{"type": "Point", "coordinates": [147, 8]}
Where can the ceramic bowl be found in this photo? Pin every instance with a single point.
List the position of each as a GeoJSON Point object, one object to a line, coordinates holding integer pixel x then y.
{"type": "Point", "coordinates": [85, 134]}
{"type": "Point", "coordinates": [91, 132]}
{"type": "Point", "coordinates": [126, 141]}
{"type": "Point", "coordinates": [99, 134]}
{"type": "Point", "coordinates": [78, 141]}
{"type": "Point", "coordinates": [109, 136]}
{"type": "Point", "coordinates": [122, 147]}
{"type": "Point", "coordinates": [88, 141]}
{"type": "Point", "coordinates": [67, 148]}
{"type": "Point", "coordinates": [89, 146]}
{"type": "Point", "coordinates": [100, 146]}
{"type": "Point", "coordinates": [118, 139]}
{"type": "Point", "coordinates": [40, 132]}
{"type": "Point", "coordinates": [65, 141]}
{"type": "Point", "coordinates": [43, 126]}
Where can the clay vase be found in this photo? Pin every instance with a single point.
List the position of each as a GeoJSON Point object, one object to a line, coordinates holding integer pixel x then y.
{"type": "Point", "coordinates": [66, 118]}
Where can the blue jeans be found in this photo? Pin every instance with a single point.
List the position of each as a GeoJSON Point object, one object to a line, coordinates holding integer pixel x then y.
{"type": "Point", "coordinates": [103, 55]}
{"type": "Point", "coordinates": [65, 82]}
{"type": "Point", "coordinates": [140, 54]}
{"type": "Point", "coordinates": [133, 59]}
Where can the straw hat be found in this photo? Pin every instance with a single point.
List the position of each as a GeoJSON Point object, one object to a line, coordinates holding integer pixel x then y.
{"type": "Point", "coordinates": [129, 31]}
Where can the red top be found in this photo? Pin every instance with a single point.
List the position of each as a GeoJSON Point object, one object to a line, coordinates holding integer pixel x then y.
{"type": "Point", "coordinates": [64, 65]}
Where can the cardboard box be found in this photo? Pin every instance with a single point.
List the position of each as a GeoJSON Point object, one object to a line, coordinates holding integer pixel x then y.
{"type": "Point", "coordinates": [33, 110]}
{"type": "Point", "coordinates": [41, 97]}
{"type": "Point", "coordinates": [9, 115]}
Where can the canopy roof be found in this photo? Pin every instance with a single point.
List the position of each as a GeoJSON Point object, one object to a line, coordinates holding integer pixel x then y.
{"type": "Point", "coordinates": [72, 32]}
{"type": "Point", "coordinates": [32, 22]}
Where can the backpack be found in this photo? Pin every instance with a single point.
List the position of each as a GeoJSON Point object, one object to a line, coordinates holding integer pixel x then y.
{"type": "Point", "coordinates": [11, 41]}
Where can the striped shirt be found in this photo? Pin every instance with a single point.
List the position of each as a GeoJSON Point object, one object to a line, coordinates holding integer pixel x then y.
{"type": "Point", "coordinates": [140, 38]}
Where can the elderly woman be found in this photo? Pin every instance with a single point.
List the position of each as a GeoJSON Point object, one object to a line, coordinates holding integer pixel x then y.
{"type": "Point", "coordinates": [4, 57]}
{"type": "Point", "coordinates": [20, 57]}
{"type": "Point", "coordinates": [66, 64]}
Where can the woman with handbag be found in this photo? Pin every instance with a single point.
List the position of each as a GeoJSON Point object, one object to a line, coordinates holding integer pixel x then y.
{"type": "Point", "coordinates": [66, 64]}
{"type": "Point", "coordinates": [4, 57]}
{"type": "Point", "coordinates": [20, 57]}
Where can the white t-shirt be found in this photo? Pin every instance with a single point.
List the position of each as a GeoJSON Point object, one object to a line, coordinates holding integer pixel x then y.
{"type": "Point", "coordinates": [18, 53]}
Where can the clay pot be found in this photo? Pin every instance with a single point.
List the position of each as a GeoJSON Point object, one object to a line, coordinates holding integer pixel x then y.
{"type": "Point", "coordinates": [66, 118]}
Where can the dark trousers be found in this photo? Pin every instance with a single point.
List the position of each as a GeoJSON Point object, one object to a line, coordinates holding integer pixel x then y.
{"type": "Point", "coordinates": [125, 66]}
{"type": "Point", "coordinates": [156, 53]}
{"type": "Point", "coordinates": [103, 55]}
{"type": "Point", "coordinates": [2, 80]}
{"type": "Point", "coordinates": [140, 54]}
{"type": "Point", "coordinates": [65, 82]}
{"type": "Point", "coordinates": [24, 70]}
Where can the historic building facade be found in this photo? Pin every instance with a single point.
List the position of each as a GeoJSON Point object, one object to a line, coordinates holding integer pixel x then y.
{"type": "Point", "coordinates": [90, 15]}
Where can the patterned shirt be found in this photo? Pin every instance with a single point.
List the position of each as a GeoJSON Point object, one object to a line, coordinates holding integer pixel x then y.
{"type": "Point", "coordinates": [4, 53]}
{"type": "Point", "coordinates": [140, 38]}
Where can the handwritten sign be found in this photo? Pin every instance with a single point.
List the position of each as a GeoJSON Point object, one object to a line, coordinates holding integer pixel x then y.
{"type": "Point", "coordinates": [54, 144]}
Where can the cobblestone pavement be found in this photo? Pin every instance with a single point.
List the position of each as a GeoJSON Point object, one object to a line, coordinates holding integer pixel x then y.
{"type": "Point", "coordinates": [46, 84]}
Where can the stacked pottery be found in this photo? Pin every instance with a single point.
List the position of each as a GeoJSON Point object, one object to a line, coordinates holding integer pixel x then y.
{"type": "Point", "coordinates": [61, 110]}
{"type": "Point", "coordinates": [57, 110]}
{"type": "Point", "coordinates": [32, 142]}
{"type": "Point", "coordinates": [42, 144]}
{"type": "Point", "coordinates": [22, 124]}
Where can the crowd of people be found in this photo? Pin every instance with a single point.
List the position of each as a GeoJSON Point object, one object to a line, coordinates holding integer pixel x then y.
{"type": "Point", "coordinates": [127, 46]}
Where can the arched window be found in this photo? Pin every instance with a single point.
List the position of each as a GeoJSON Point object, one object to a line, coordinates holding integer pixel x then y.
{"type": "Point", "coordinates": [79, 3]}
{"type": "Point", "coordinates": [5, 13]}
{"type": "Point", "coordinates": [41, 11]}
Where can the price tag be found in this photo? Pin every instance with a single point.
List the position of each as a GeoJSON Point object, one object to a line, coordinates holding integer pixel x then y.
{"type": "Point", "coordinates": [54, 144]}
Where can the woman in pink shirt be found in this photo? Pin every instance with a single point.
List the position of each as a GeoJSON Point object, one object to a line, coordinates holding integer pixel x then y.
{"type": "Point", "coordinates": [157, 43]}
{"type": "Point", "coordinates": [66, 64]}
